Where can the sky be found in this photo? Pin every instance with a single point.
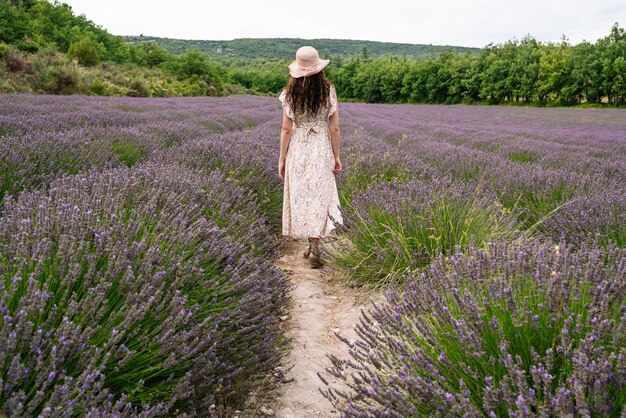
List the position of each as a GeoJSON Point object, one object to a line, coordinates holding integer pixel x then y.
{"type": "Point", "coordinates": [473, 23]}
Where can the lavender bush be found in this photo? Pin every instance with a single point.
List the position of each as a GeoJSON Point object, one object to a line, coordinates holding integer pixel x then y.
{"type": "Point", "coordinates": [27, 113]}
{"type": "Point", "coordinates": [248, 157]}
{"type": "Point", "coordinates": [371, 161]}
{"type": "Point", "coordinates": [121, 293]}
{"type": "Point", "coordinates": [589, 220]}
{"type": "Point", "coordinates": [515, 330]}
{"type": "Point", "coordinates": [541, 166]}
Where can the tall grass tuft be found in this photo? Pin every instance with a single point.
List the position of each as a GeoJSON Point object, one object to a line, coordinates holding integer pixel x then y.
{"type": "Point", "coordinates": [394, 226]}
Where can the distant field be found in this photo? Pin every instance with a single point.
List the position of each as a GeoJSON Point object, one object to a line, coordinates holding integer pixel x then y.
{"type": "Point", "coordinates": [137, 238]}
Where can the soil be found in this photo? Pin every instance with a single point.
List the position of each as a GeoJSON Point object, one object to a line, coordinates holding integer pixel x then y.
{"type": "Point", "coordinates": [322, 304]}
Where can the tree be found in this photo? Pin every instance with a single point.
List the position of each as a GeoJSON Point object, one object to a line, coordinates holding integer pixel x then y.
{"type": "Point", "coordinates": [86, 51]}
{"type": "Point", "coordinates": [496, 85]}
{"type": "Point", "coordinates": [364, 53]}
{"type": "Point", "coordinates": [14, 23]}
{"type": "Point", "coordinates": [193, 62]}
{"type": "Point", "coordinates": [586, 75]}
{"type": "Point", "coordinates": [195, 65]}
{"type": "Point", "coordinates": [155, 55]}
{"type": "Point", "coordinates": [612, 50]}
{"type": "Point", "coordinates": [414, 82]}
{"type": "Point", "coordinates": [391, 80]}
{"type": "Point", "coordinates": [619, 83]}
{"type": "Point", "coordinates": [554, 75]}
{"type": "Point", "coordinates": [344, 77]}
{"type": "Point", "coordinates": [526, 65]}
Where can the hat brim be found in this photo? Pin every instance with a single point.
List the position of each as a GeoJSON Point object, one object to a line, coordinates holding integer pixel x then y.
{"type": "Point", "coordinates": [296, 71]}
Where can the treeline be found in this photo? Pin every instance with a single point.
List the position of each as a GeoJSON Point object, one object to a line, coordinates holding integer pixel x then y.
{"type": "Point", "coordinates": [45, 48]}
{"type": "Point", "coordinates": [284, 48]}
{"type": "Point", "coordinates": [525, 71]}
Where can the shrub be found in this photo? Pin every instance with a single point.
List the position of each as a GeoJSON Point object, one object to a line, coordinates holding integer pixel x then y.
{"type": "Point", "coordinates": [598, 219]}
{"type": "Point", "coordinates": [161, 88]}
{"type": "Point", "coordinates": [120, 294]}
{"type": "Point", "coordinates": [63, 79]}
{"type": "Point", "coordinates": [46, 57]}
{"type": "Point", "coordinates": [193, 86]}
{"type": "Point", "coordinates": [139, 88]}
{"type": "Point", "coordinates": [514, 330]}
{"type": "Point", "coordinates": [230, 89]}
{"type": "Point", "coordinates": [32, 44]}
{"type": "Point", "coordinates": [15, 60]}
{"type": "Point", "coordinates": [98, 87]}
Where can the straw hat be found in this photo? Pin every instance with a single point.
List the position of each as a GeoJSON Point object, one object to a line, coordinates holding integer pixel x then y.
{"type": "Point", "coordinates": [307, 62]}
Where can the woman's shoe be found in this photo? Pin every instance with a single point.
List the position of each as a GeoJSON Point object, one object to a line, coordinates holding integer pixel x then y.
{"type": "Point", "coordinates": [314, 253]}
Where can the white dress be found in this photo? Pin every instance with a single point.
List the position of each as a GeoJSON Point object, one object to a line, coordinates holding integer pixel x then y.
{"type": "Point", "coordinates": [310, 193]}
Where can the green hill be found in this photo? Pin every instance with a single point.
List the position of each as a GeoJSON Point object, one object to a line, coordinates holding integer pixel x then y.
{"type": "Point", "coordinates": [284, 48]}
{"type": "Point", "coordinates": [46, 48]}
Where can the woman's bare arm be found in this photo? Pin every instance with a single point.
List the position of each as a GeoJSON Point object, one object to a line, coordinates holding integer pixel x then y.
{"type": "Point", "coordinates": [335, 139]}
{"type": "Point", "coordinates": [285, 137]}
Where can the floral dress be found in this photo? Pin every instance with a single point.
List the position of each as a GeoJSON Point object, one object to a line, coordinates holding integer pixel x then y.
{"type": "Point", "coordinates": [310, 200]}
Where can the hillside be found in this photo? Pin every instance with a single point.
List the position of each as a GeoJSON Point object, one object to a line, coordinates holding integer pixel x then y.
{"type": "Point", "coordinates": [46, 48]}
{"type": "Point", "coordinates": [283, 48]}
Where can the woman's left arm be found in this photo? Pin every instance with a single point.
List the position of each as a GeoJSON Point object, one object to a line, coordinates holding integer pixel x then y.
{"type": "Point", "coordinates": [285, 137]}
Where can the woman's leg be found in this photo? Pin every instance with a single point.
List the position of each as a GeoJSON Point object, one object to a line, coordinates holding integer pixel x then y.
{"type": "Point", "coordinates": [308, 251]}
{"type": "Point", "coordinates": [314, 253]}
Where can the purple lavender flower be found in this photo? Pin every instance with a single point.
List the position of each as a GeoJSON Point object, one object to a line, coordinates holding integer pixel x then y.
{"type": "Point", "coordinates": [520, 364]}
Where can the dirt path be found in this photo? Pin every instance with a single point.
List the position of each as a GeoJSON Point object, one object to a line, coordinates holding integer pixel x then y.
{"type": "Point", "coordinates": [321, 306]}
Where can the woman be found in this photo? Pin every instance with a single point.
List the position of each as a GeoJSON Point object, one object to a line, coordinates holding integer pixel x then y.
{"type": "Point", "coordinates": [309, 153]}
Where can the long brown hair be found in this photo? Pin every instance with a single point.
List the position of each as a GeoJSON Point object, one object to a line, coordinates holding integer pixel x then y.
{"type": "Point", "coordinates": [308, 94]}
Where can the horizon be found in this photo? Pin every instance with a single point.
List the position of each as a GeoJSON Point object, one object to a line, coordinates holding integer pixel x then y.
{"type": "Point", "coordinates": [445, 23]}
{"type": "Point", "coordinates": [304, 39]}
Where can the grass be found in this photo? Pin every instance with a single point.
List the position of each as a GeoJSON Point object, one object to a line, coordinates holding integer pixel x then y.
{"type": "Point", "coordinates": [128, 108]}
{"type": "Point", "coordinates": [127, 152]}
{"type": "Point", "coordinates": [531, 206]}
{"type": "Point", "coordinates": [359, 180]}
{"type": "Point", "coordinates": [523, 157]}
{"type": "Point", "coordinates": [386, 245]}
{"type": "Point", "coordinates": [213, 128]}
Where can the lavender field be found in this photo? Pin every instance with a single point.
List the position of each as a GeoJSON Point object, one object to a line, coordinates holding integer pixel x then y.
{"type": "Point", "coordinates": [137, 240]}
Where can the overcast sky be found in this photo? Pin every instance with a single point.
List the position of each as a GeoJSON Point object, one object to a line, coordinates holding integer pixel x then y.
{"type": "Point", "coordinates": [438, 22]}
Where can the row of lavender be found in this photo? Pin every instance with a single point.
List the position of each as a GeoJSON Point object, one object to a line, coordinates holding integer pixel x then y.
{"type": "Point", "coordinates": [502, 233]}
{"type": "Point", "coordinates": [136, 239]}
{"type": "Point", "coordinates": [46, 136]}
{"type": "Point", "coordinates": [476, 173]}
